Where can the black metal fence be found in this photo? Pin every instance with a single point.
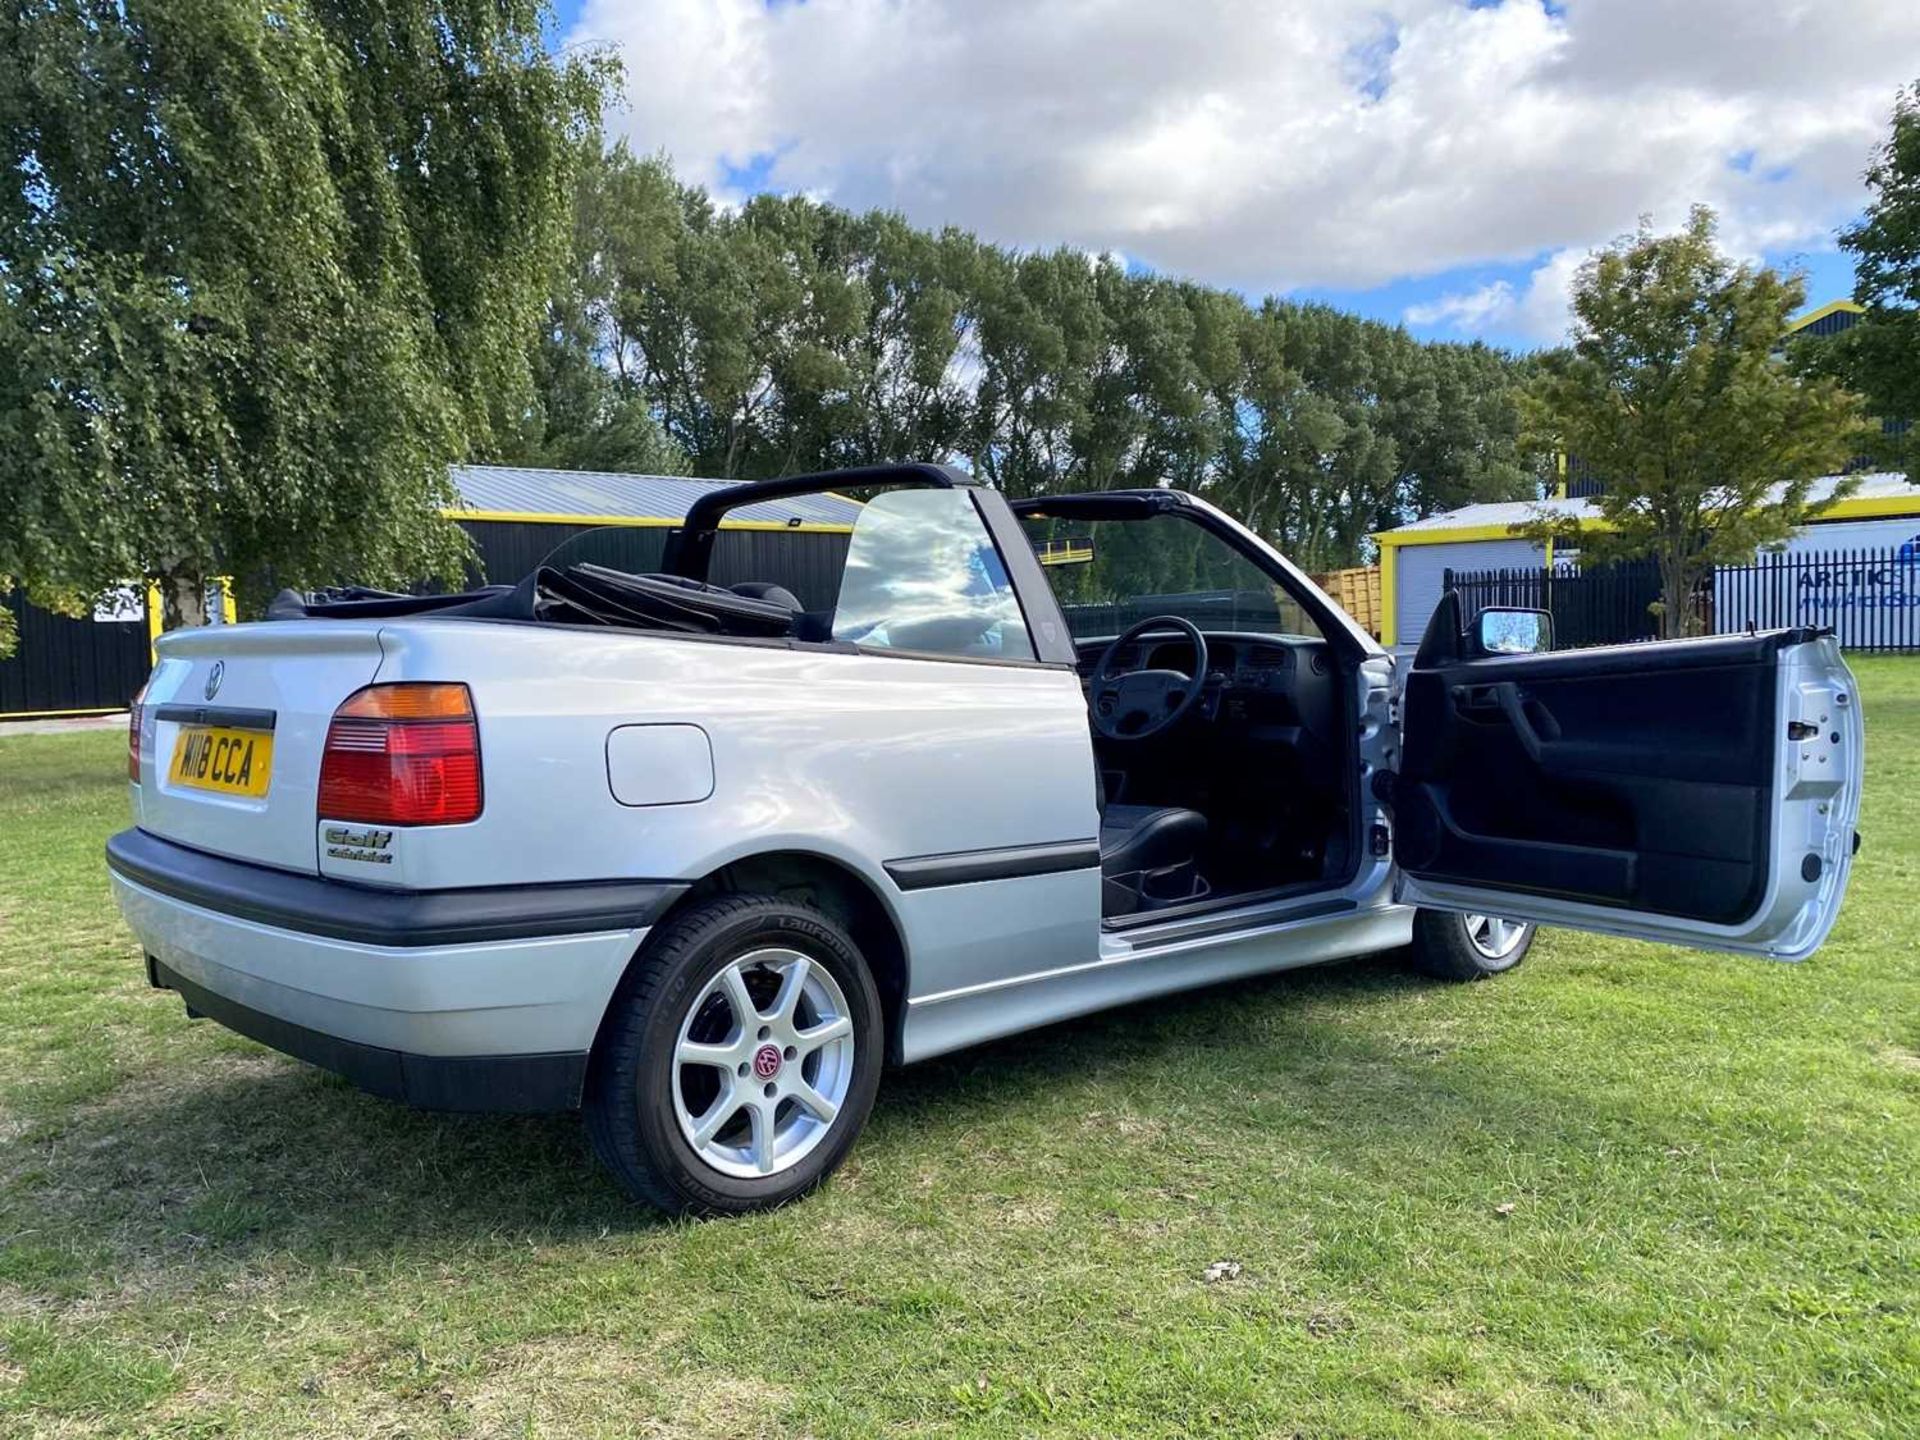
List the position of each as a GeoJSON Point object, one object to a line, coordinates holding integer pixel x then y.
{"type": "Point", "coordinates": [1870, 599]}
{"type": "Point", "coordinates": [61, 664]}
{"type": "Point", "coordinates": [1607, 606]}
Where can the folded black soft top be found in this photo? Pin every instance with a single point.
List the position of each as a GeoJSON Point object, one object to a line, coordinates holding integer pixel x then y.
{"type": "Point", "coordinates": [362, 602]}
{"type": "Point", "coordinates": [576, 595]}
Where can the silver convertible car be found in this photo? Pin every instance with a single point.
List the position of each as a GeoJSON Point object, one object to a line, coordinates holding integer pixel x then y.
{"type": "Point", "coordinates": [703, 860]}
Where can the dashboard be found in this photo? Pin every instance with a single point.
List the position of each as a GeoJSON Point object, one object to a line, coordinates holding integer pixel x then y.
{"type": "Point", "coordinates": [1253, 681]}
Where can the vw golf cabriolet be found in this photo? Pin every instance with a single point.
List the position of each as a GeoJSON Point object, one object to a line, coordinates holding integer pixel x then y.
{"type": "Point", "coordinates": [702, 860]}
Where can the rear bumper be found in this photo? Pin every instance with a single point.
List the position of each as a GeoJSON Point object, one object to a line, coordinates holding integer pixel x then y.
{"type": "Point", "coordinates": [458, 1005]}
{"type": "Point", "coordinates": [498, 1083]}
{"type": "Point", "coordinates": [315, 905]}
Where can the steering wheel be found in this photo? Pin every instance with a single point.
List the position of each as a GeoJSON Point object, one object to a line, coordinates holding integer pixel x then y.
{"type": "Point", "coordinates": [1142, 703]}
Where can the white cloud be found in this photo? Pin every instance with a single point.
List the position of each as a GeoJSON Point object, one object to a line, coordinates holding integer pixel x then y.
{"type": "Point", "coordinates": [1273, 146]}
{"type": "Point", "coordinates": [1538, 312]}
{"type": "Point", "coordinates": [1466, 309]}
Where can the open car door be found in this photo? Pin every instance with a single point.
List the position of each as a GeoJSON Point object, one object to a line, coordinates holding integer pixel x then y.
{"type": "Point", "coordinates": [1700, 792]}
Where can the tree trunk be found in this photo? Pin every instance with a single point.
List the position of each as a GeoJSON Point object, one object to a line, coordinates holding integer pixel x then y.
{"type": "Point", "coordinates": [1679, 579]}
{"type": "Point", "coordinates": [1673, 596]}
{"type": "Point", "coordinates": [183, 600]}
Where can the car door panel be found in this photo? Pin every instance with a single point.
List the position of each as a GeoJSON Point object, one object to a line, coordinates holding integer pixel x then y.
{"type": "Point", "coordinates": [1654, 790]}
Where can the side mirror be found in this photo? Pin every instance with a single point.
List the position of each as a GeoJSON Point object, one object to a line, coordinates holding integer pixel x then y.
{"type": "Point", "coordinates": [1500, 631]}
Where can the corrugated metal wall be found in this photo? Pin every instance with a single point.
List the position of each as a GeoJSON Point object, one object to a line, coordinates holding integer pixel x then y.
{"type": "Point", "coordinates": [807, 562]}
{"type": "Point", "coordinates": [1830, 324]}
{"type": "Point", "coordinates": [1423, 567]}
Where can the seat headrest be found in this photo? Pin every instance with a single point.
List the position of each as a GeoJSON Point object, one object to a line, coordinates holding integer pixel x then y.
{"type": "Point", "coordinates": [771, 593]}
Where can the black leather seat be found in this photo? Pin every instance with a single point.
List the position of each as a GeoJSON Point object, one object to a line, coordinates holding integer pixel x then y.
{"type": "Point", "coordinates": [1148, 837]}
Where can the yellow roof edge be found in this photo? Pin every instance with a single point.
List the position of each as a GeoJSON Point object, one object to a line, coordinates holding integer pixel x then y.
{"type": "Point", "coordinates": [78, 713]}
{"type": "Point", "coordinates": [1391, 539]}
{"type": "Point", "coordinates": [1832, 307]}
{"type": "Point", "coordinates": [1871, 507]}
{"type": "Point", "coordinates": [657, 522]}
{"type": "Point", "coordinates": [1853, 507]}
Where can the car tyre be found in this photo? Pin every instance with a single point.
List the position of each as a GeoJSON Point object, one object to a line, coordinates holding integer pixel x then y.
{"type": "Point", "coordinates": [1468, 947]}
{"type": "Point", "coordinates": [680, 998]}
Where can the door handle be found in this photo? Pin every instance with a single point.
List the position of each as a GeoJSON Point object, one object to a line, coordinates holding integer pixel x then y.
{"type": "Point", "coordinates": [1477, 700]}
{"type": "Point", "coordinates": [1513, 703]}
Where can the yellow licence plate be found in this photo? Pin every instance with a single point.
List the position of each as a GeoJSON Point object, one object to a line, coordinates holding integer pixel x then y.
{"type": "Point", "coordinates": [233, 762]}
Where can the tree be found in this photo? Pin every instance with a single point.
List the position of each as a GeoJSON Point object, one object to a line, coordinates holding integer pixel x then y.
{"type": "Point", "coordinates": [1880, 355]}
{"type": "Point", "coordinates": [1040, 332]}
{"type": "Point", "coordinates": [907, 398]}
{"type": "Point", "coordinates": [265, 270]}
{"type": "Point", "coordinates": [1303, 447]}
{"type": "Point", "coordinates": [1673, 391]}
{"type": "Point", "coordinates": [585, 417]}
{"type": "Point", "coordinates": [788, 335]}
{"type": "Point", "coordinates": [589, 411]}
{"type": "Point", "coordinates": [1467, 446]}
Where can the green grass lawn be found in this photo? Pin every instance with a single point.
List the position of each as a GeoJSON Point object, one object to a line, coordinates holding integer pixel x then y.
{"type": "Point", "coordinates": [1626, 1190]}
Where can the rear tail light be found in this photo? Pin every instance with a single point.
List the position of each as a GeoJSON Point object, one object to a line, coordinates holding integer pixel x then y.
{"type": "Point", "coordinates": [404, 754]}
{"type": "Point", "coordinates": [133, 736]}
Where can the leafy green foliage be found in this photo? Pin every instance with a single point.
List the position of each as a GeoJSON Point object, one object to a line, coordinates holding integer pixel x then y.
{"type": "Point", "coordinates": [589, 411]}
{"type": "Point", "coordinates": [1673, 391]}
{"type": "Point", "coordinates": [790, 336]}
{"type": "Point", "coordinates": [1880, 355]}
{"type": "Point", "coordinates": [1337, 427]}
{"type": "Point", "coordinates": [265, 270]}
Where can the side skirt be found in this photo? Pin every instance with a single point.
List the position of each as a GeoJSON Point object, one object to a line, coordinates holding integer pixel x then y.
{"type": "Point", "coordinates": [1133, 969]}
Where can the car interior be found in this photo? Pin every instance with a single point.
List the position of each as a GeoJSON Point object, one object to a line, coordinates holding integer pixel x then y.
{"type": "Point", "coordinates": [1245, 791]}
{"type": "Point", "coordinates": [1217, 704]}
{"type": "Point", "coordinates": [1219, 712]}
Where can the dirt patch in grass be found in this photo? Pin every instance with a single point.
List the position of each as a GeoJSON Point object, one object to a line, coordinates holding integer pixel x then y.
{"type": "Point", "coordinates": [570, 1386]}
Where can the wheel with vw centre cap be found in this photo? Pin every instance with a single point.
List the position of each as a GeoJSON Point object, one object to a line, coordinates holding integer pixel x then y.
{"type": "Point", "coordinates": [739, 1058]}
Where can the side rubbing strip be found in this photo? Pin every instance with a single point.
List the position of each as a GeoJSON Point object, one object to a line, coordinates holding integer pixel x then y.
{"type": "Point", "coordinates": [968, 867]}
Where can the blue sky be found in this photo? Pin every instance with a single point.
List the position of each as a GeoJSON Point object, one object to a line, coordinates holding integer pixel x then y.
{"type": "Point", "coordinates": [1829, 277]}
{"type": "Point", "coordinates": [1440, 164]}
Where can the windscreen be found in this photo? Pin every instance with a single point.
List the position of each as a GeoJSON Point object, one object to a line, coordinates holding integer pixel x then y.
{"type": "Point", "coordinates": [1110, 574]}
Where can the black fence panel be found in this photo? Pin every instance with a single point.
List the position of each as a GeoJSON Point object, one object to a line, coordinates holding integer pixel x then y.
{"type": "Point", "coordinates": [61, 664]}
{"type": "Point", "coordinates": [1602, 606]}
{"type": "Point", "coordinates": [1251, 610]}
{"type": "Point", "coordinates": [1870, 599]}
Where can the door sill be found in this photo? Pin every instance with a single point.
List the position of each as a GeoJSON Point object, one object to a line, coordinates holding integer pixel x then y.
{"type": "Point", "coordinates": [1141, 920]}
{"type": "Point", "coordinates": [1262, 917]}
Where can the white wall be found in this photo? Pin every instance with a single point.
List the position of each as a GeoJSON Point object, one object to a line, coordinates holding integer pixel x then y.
{"type": "Point", "coordinates": [1855, 534]}
{"type": "Point", "coordinates": [1866, 602]}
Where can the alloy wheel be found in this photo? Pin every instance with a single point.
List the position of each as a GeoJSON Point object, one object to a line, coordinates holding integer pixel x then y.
{"type": "Point", "coordinates": [763, 1063]}
{"type": "Point", "coordinates": [1492, 937]}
